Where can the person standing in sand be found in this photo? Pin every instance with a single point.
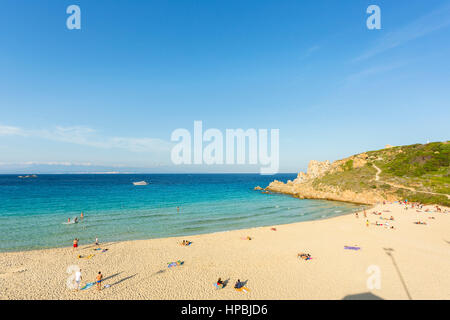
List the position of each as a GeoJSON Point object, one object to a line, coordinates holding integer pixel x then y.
{"type": "Point", "coordinates": [99, 280]}
{"type": "Point", "coordinates": [78, 278]}
{"type": "Point", "coordinates": [75, 244]}
{"type": "Point", "coordinates": [96, 242]}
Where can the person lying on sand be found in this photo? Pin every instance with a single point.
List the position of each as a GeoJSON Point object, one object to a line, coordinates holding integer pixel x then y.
{"type": "Point", "coordinates": [238, 284]}
{"type": "Point", "coordinates": [420, 222]}
{"type": "Point", "coordinates": [304, 256]}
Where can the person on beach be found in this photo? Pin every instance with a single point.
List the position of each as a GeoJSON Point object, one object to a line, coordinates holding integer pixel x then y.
{"type": "Point", "coordinates": [365, 214]}
{"type": "Point", "coordinates": [75, 244]}
{"type": "Point", "coordinates": [178, 209]}
{"type": "Point", "coordinates": [367, 223]}
{"type": "Point", "coordinates": [96, 242]}
{"type": "Point", "coordinates": [78, 278]}
{"type": "Point", "coordinates": [76, 220]}
{"type": "Point", "coordinates": [68, 220]}
{"type": "Point", "coordinates": [220, 282]}
{"type": "Point", "coordinates": [99, 280]}
{"type": "Point", "coordinates": [357, 214]}
{"type": "Point", "coordinates": [81, 216]}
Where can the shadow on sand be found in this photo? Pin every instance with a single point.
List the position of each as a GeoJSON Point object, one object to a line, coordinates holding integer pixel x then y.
{"type": "Point", "coordinates": [389, 253]}
{"type": "Point", "coordinates": [362, 296]}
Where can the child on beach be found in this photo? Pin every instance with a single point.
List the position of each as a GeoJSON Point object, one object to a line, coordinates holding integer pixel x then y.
{"type": "Point", "coordinates": [99, 280]}
{"type": "Point", "coordinates": [75, 244]}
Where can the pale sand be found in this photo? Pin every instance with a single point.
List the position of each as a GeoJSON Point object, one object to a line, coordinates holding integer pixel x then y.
{"type": "Point", "coordinates": [268, 262]}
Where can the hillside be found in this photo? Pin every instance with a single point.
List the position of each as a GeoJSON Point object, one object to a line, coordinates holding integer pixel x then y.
{"type": "Point", "coordinates": [419, 172]}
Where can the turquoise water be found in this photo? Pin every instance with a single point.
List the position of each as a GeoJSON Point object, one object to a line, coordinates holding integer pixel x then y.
{"type": "Point", "coordinates": [33, 211]}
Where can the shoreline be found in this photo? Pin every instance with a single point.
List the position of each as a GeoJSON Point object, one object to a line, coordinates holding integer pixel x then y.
{"type": "Point", "coordinates": [294, 195]}
{"type": "Point", "coordinates": [137, 269]}
{"type": "Point", "coordinates": [206, 232]}
{"type": "Point", "coordinates": [192, 235]}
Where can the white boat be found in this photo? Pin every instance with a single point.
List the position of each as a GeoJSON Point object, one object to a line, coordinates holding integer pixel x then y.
{"type": "Point", "coordinates": [140, 183]}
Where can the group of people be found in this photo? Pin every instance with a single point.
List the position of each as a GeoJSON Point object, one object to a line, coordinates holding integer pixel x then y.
{"type": "Point", "coordinates": [76, 240]}
{"type": "Point", "coordinates": [76, 218]}
{"type": "Point", "coordinates": [365, 214]}
{"type": "Point", "coordinates": [98, 279]}
{"type": "Point", "coordinates": [186, 242]}
{"type": "Point", "coordinates": [237, 285]}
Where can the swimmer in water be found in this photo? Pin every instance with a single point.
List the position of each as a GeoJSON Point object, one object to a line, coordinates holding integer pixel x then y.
{"type": "Point", "coordinates": [81, 216]}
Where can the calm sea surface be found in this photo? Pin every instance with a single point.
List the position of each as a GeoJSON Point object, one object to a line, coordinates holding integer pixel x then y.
{"type": "Point", "coordinates": [34, 212]}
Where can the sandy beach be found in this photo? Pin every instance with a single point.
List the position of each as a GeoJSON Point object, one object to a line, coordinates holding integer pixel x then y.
{"type": "Point", "coordinates": [413, 260]}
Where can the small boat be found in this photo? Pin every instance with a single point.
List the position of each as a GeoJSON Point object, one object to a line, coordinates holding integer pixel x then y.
{"type": "Point", "coordinates": [140, 183]}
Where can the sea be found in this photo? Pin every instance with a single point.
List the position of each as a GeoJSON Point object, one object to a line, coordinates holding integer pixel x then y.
{"type": "Point", "coordinates": [34, 212]}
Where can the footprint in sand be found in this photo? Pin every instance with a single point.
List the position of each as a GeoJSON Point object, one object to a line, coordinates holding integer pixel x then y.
{"type": "Point", "coordinates": [12, 272]}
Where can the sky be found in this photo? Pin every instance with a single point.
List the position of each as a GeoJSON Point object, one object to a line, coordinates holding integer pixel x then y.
{"type": "Point", "coordinates": [107, 97]}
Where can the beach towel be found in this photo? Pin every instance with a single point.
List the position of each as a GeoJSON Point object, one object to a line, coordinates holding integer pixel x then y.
{"type": "Point", "coordinates": [88, 285]}
{"type": "Point", "coordinates": [218, 286]}
{"type": "Point", "coordinates": [273, 229]}
{"type": "Point", "coordinates": [246, 238]}
{"type": "Point", "coordinates": [351, 248]}
{"type": "Point", "coordinates": [175, 264]}
{"type": "Point", "coordinates": [242, 289]}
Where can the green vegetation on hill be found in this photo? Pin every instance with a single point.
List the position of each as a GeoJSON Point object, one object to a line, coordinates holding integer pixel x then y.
{"type": "Point", "coordinates": [419, 172]}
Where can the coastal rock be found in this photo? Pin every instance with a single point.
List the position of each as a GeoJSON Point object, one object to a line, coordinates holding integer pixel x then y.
{"type": "Point", "coordinates": [258, 188]}
{"type": "Point", "coordinates": [306, 187]}
{"type": "Point", "coordinates": [317, 168]}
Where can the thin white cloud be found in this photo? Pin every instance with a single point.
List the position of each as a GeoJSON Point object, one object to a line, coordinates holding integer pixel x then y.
{"type": "Point", "coordinates": [86, 136]}
{"type": "Point", "coordinates": [11, 131]}
{"type": "Point", "coordinates": [431, 22]}
{"type": "Point", "coordinates": [309, 52]}
{"type": "Point", "coordinates": [375, 70]}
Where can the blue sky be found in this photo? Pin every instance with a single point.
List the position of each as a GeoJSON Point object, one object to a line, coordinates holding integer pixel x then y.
{"type": "Point", "coordinates": [108, 96]}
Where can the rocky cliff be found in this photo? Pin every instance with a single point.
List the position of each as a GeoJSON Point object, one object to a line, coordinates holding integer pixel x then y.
{"type": "Point", "coordinates": [374, 176]}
